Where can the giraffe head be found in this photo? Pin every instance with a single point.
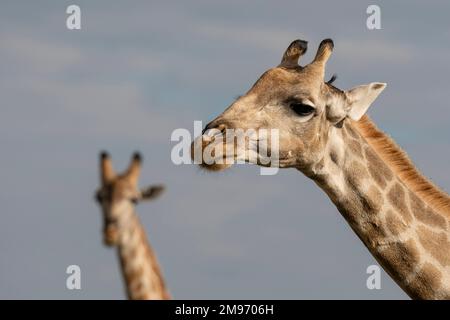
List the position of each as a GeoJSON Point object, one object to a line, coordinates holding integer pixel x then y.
{"type": "Point", "coordinates": [119, 194]}
{"type": "Point", "coordinates": [298, 102]}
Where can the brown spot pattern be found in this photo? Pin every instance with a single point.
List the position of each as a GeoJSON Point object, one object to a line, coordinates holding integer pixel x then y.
{"type": "Point", "coordinates": [400, 259]}
{"type": "Point", "coordinates": [424, 214]}
{"type": "Point", "coordinates": [352, 132]}
{"type": "Point", "coordinates": [355, 148]}
{"type": "Point", "coordinates": [427, 280]}
{"type": "Point", "coordinates": [380, 172]}
{"type": "Point", "coordinates": [436, 243]}
{"type": "Point", "coordinates": [357, 174]}
{"type": "Point", "coordinates": [377, 176]}
{"type": "Point", "coordinates": [396, 197]}
{"type": "Point", "coordinates": [372, 200]}
{"type": "Point", "coordinates": [374, 231]}
{"type": "Point", "coordinates": [394, 224]}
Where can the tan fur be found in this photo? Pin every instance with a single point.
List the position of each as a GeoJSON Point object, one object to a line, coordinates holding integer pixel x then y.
{"type": "Point", "coordinates": [400, 163]}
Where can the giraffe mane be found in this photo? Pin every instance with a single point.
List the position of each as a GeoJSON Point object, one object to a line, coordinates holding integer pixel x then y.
{"type": "Point", "coordinates": [401, 164]}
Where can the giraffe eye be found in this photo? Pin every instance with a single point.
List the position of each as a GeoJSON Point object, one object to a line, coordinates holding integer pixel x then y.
{"type": "Point", "coordinates": [301, 109]}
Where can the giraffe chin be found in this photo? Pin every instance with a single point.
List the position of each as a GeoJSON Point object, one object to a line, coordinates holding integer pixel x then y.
{"type": "Point", "coordinates": [215, 166]}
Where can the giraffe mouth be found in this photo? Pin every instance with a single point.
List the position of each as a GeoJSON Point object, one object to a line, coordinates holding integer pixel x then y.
{"type": "Point", "coordinates": [219, 152]}
{"type": "Point", "coordinates": [219, 158]}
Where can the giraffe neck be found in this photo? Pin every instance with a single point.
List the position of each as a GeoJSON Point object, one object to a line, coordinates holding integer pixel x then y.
{"type": "Point", "coordinates": [140, 268]}
{"type": "Point", "coordinates": [409, 240]}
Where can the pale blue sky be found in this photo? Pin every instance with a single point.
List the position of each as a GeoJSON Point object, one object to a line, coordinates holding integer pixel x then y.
{"type": "Point", "coordinates": [138, 70]}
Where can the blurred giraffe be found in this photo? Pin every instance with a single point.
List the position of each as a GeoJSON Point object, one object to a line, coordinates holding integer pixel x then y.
{"type": "Point", "coordinates": [117, 197]}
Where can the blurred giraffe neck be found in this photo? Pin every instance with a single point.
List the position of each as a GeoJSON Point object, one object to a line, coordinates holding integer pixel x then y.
{"type": "Point", "coordinates": [140, 268]}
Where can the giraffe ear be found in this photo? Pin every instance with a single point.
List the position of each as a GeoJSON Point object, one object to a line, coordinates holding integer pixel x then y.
{"type": "Point", "coordinates": [360, 98]}
{"type": "Point", "coordinates": [107, 173]}
{"type": "Point", "coordinates": [152, 192]}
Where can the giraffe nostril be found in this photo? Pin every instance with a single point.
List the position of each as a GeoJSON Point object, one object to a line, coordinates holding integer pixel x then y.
{"type": "Point", "coordinates": [215, 125]}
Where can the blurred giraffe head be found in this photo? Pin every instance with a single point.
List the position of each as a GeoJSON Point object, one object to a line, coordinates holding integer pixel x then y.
{"type": "Point", "coordinates": [298, 102]}
{"type": "Point", "coordinates": [118, 195]}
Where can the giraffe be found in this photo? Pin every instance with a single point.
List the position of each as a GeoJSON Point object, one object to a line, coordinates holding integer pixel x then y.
{"type": "Point", "coordinates": [399, 215]}
{"type": "Point", "coordinates": [117, 197]}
